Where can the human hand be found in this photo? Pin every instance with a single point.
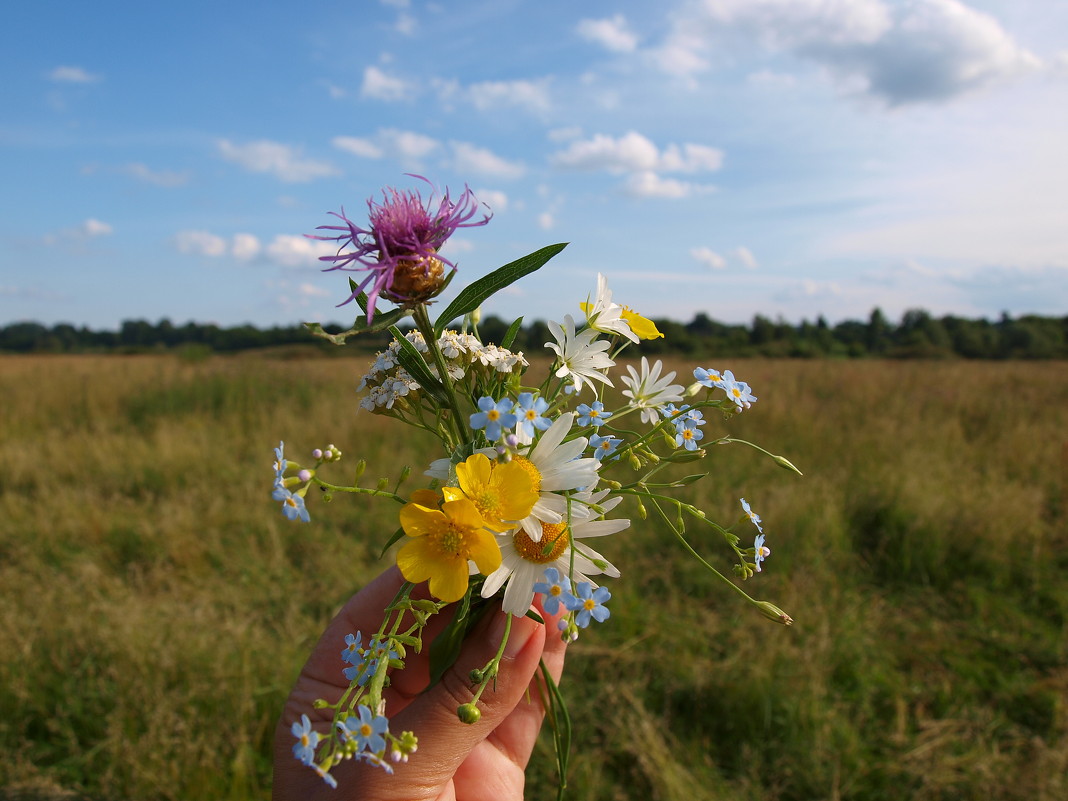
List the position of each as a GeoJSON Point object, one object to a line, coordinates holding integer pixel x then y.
{"type": "Point", "coordinates": [483, 761]}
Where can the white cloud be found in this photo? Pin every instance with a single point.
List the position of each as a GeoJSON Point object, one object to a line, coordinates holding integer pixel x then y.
{"type": "Point", "coordinates": [546, 220]}
{"type": "Point", "coordinates": [745, 256]}
{"type": "Point", "coordinates": [406, 24]}
{"type": "Point", "coordinates": [529, 95]}
{"type": "Point", "coordinates": [648, 184]}
{"type": "Point", "coordinates": [409, 147]}
{"type": "Point", "coordinates": [275, 158]}
{"type": "Point", "coordinates": [469, 158]}
{"type": "Point", "coordinates": [612, 33]}
{"type": "Point", "coordinates": [497, 201]}
{"type": "Point", "coordinates": [245, 247]}
{"type": "Point", "coordinates": [200, 243]}
{"type": "Point", "coordinates": [297, 251]}
{"type": "Point", "coordinates": [93, 227]}
{"type": "Point", "coordinates": [709, 258]}
{"type": "Point", "coordinates": [633, 152]}
{"type": "Point", "coordinates": [66, 74]}
{"type": "Point", "coordinates": [381, 86]}
{"type": "Point", "coordinates": [164, 178]}
{"type": "Point", "coordinates": [358, 147]}
{"type": "Point", "coordinates": [907, 52]}
{"type": "Point", "coordinates": [311, 291]}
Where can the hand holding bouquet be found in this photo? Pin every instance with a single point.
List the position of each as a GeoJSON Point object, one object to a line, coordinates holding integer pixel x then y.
{"type": "Point", "coordinates": [526, 478]}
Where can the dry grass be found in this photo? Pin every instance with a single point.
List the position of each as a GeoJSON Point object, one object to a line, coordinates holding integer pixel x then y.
{"type": "Point", "coordinates": [156, 605]}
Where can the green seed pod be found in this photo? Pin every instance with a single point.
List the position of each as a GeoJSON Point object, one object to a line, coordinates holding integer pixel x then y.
{"type": "Point", "coordinates": [468, 713]}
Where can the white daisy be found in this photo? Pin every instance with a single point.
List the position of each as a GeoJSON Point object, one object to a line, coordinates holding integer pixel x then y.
{"type": "Point", "coordinates": [554, 466]}
{"type": "Point", "coordinates": [580, 357]}
{"type": "Point", "coordinates": [524, 561]}
{"type": "Point", "coordinates": [606, 316]}
{"type": "Point", "coordinates": [649, 391]}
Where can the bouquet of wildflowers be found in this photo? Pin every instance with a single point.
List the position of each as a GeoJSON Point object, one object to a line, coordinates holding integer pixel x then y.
{"type": "Point", "coordinates": [527, 476]}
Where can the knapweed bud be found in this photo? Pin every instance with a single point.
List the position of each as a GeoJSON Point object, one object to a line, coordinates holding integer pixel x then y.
{"type": "Point", "coordinates": [772, 612]}
{"type": "Point", "coordinates": [468, 713]}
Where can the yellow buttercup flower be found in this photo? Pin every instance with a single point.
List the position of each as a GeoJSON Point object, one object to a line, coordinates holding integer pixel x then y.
{"type": "Point", "coordinates": [443, 541]}
{"type": "Point", "coordinates": [502, 493]}
{"type": "Point", "coordinates": [643, 327]}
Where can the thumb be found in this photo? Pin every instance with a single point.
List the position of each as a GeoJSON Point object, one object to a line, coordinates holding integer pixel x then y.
{"type": "Point", "coordinates": [444, 741]}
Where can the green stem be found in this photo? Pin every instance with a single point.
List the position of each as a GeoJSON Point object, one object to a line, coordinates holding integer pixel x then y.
{"type": "Point", "coordinates": [426, 328]}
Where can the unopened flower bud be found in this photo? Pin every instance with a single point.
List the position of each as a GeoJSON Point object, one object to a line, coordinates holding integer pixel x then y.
{"type": "Point", "coordinates": [468, 713]}
{"type": "Point", "coordinates": [317, 454]}
{"type": "Point", "coordinates": [304, 475]}
{"type": "Point", "coordinates": [643, 513]}
{"type": "Point", "coordinates": [360, 467]}
{"type": "Point", "coordinates": [475, 676]}
{"type": "Point", "coordinates": [693, 389]}
{"type": "Point", "coordinates": [383, 483]}
{"type": "Point", "coordinates": [407, 471]}
{"type": "Point", "coordinates": [772, 612]}
{"type": "Point", "coordinates": [785, 463]}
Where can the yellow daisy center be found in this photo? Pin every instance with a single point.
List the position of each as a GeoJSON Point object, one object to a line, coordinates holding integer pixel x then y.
{"type": "Point", "coordinates": [531, 470]}
{"type": "Point", "coordinates": [554, 541]}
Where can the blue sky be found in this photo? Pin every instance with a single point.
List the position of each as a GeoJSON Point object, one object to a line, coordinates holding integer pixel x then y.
{"type": "Point", "coordinates": [782, 157]}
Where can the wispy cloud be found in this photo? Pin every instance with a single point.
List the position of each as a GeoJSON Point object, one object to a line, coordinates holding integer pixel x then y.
{"type": "Point", "coordinates": [612, 33]}
{"type": "Point", "coordinates": [284, 250]}
{"type": "Point", "coordinates": [467, 157]}
{"type": "Point", "coordinates": [408, 147]}
{"type": "Point", "coordinates": [282, 161]}
{"type": "Point", "coordinates": [69, 74]}
{"type": "Point", "coordinates": [165, 178]}
{"type": "Point", "coordinates": [91, 228]}
{"type": "Point", "coordinates": [379, 85]}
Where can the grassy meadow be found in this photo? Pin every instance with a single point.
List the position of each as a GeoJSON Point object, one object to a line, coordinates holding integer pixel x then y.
{"type": "Point", "coordinates": [156, 606]}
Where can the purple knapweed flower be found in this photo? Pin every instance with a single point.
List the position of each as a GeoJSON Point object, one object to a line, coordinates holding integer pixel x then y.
{"type": "Point", "coordinates": [399, 249]}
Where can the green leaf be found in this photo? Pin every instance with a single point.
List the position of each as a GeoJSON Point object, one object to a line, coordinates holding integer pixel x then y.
{"type": "Point", "coordinates": [472, 296]}
{"type": "Point", "coordinates": [412, 361]}
{"type": "Point", "coordinates": [510, 334]}
{"type": "Point", "coordinates": [396, 536]}
{"type": "Point", "coordinates": [445, 649]}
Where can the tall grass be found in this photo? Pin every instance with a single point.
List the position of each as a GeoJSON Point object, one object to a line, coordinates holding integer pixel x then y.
{"type": "Point", "coordinates": [157, 606]}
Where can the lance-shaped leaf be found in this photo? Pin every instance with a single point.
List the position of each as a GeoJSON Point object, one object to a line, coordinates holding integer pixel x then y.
{"type": "Point", "coordinates": [412, 361]}
{"type": "Point", "coordinates": [471, 297]}
{"type": "Point", "coordinates": [510, 334]}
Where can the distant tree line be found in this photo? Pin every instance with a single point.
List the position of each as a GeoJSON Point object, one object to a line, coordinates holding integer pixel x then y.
{"type": "Point", "coordinates": [917, 335]}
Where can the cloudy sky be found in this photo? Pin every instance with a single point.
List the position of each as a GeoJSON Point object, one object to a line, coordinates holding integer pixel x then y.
{"type": "Point", "coordinates": [782, 157]}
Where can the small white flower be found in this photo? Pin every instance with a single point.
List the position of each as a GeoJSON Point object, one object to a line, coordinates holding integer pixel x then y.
{"type": "Point", "coordinates": [580, 357]}
{"type": "Point", "coordinates": [649, 392]}
{"type": "Point", "coordinates": [606, 316]}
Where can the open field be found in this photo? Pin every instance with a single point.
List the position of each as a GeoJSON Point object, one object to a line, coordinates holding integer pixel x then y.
{"type": "Point", "coordinates": [156, 605]}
